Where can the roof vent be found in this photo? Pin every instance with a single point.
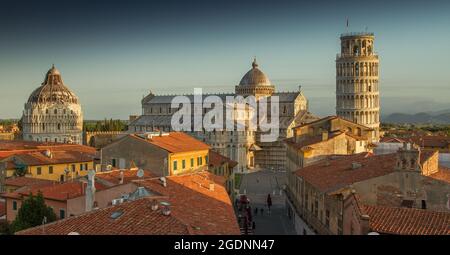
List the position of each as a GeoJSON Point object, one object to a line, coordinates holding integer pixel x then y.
{"type": "Point", "coordinates": [117, 201]}
{"type": "Point", "coordinates": [48, 154]}
{"type": "Point", "coordinates": [154, 205]}
{"type": "Point", "coordinates": [116, 214]}
{"type": "Point", "coordinates": [356, 165]}
{"type": "Point", "coordinates": [211, 186]}
{"type": "Point", "coordinates": [165, 208]}
{"type": "Point", "coordinates": [163, 181]}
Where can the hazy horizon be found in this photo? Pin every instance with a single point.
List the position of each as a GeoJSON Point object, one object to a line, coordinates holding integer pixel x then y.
{"type": "Point", "coordinates": [112, 53]}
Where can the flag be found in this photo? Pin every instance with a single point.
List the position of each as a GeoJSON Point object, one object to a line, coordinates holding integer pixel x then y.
{"type": "Point", "coordinates": [347, 22]}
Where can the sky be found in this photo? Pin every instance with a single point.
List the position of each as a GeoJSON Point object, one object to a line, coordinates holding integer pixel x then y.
{"type": "Point", "coordinates": [112, 53]}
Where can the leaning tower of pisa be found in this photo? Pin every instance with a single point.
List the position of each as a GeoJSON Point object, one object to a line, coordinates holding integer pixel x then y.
{"type": "Point", "coordinates": [357, 94]}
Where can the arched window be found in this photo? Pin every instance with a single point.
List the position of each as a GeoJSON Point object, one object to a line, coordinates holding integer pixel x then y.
{"type": "Point", "coordinates": [59, 126]}
{"type": "Point", "coordinates": [55, 111]}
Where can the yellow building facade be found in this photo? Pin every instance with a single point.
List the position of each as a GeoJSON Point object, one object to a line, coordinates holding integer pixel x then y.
{"type": "Point", "coordinates": [60, 172]}
{"type": "Point", "coordinates": [182, 162]}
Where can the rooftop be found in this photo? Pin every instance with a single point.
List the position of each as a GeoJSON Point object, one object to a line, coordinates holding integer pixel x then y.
{"type": "Point", "coordinates": [335, 173]}
{"type": "Point", "coordinates": [199, 204]}
{"type": "Point", "coordinates": [204, 207]}
{"type": "Point", "coordinates": [175, 142]}
{"type": "Point", "coordinates": [217, 159]}
{"type": "Point", "coordinates": [113, 177]}
{"type": "Point", "coordinates": [25, 181]}
{"type": "Point", "coordinates": [134, 218]}
{"type": "Point", "coordinates": [57, 157]}
{"type": "Point", "coordinates": [54, 191]}
{"type": "Point", "coordinates": [17, 147]}
{"type": "Point", "coordinates": [407, 221]}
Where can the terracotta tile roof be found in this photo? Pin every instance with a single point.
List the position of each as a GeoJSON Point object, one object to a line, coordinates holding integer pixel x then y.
{"type": "Point", "coordinates": [216, 159]}
{"type": "Point", "coordinates": [431, 141]}
{"type": "Point", "coordinates": [332, 174]}
{"type": "Point", "coordinates": [176, 142]}
{"type": "Point", "coordinates": [310, 140]}
{"type": "Point", "coordinates": [22, 145]}
{"type": "Point", "coordinates": [25, 181]}
{"type": "Point", "coordinates": [196, 208]}
{"type": "Point", "coordinates": [386, 139]}
{"type": "Point", "coordinates": [63, 191]}
{"type": "Point", "coordinates": [208, 212]}
{"type": "Point", "coordinates": [328, 118]}
{"type": "Point", "coordinates": [137, 218]}
{"type": "Point", "coordinates": [407, 221]}
{"type": "Point", "coordinates": [58, 157]}
{"type": "Point", "coordinates": [443, 174]}
{"type": "Point", "coordinates": [113, 177]}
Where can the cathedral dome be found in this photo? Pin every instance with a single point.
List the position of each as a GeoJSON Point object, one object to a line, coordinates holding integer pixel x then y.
{"type": "Point", "coordinates": [53, 90]}
{"type": "Point", "coordinates": [255, 77]}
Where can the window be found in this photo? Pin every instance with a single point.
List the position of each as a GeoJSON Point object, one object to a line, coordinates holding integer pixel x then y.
{"type": "Point", "coordinates": [206, 159]}
{"type": "Point", "coordinates": [55, 111]}
{"type": "Point", "coordinates": [73, 168]}
{"type": "Point", "coordinates": [327, 218]}
{"type": "Point", "coordinates": [183, 164]}
{"type": "Point", "coordinates": [199, 161]}
{"type": "Point", "coordinates": [192, 162]}
{"type": "Point", "coordinates": [39, 171]}
{"type": "Point", "coordinates": [81, 167]}
{"type": "Point", "coordinates": [59, 126]}
{"type": "Point", "coordinates": [15, 205]}
{"type": "Point", "coordinates": [62, 214]}
{"type": "Point", "coordinates": [50, 170]}
{"type": "Point", "coordinates": [86, 166]}
{"type": "Point", "coordinates": [424, 204]}
{"type": "Point", "coordinates": [175, 165]}
{"type": "Point", "coordinates": [113, 162]}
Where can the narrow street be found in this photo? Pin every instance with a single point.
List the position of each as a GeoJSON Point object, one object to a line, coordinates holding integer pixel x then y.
{"type": "Point", "coordinates": [257, 186]}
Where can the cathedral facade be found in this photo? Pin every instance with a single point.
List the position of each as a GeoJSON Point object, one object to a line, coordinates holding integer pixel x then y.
{"type": "Point", "coordinates": [53, 113]}
{"type": "Point", "coordinates": [244, 146]}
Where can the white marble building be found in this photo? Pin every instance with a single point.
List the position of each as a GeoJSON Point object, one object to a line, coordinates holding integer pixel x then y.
{"type": "Point", "coordinates": [244, 147]}
{"type": "Point", "coordinates": [53, 113]}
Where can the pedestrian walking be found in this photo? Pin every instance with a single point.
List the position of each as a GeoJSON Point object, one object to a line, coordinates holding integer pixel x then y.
{"type": "Point", "coordinates": [269, 202]}
{"type": "Point", "coordinates": [253, 225]}
{"type": "Point", "coordinates": [256, 211]}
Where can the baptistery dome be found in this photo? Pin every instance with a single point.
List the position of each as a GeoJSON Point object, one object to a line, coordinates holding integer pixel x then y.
{"type": "Point", "coordinates": [53, 112]}
{"type": "Point", "coordinates": [53, 90]}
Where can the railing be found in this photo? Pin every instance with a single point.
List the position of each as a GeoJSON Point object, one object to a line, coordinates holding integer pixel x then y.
{"type": "Point", "coordinates": [357, 34]}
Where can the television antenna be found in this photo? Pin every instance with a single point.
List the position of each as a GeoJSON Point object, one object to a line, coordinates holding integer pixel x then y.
{"type": "Point", "coordinates": [140, 173]}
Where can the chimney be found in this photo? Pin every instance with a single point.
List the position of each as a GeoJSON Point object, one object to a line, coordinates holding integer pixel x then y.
{"type": "Point", "coordinates": [121, 177]}
{"type": "Point", "coordinates": [90, 191]}
{"type": "Point", "coordinates": [324, 135]}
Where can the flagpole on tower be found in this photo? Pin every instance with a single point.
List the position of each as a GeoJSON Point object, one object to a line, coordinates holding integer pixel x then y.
{"type": "Point", "coordinates": [347, 25]}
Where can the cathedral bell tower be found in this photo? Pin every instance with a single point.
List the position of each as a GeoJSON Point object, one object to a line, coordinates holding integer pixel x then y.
{"type": "Point", "coordinates": [357, 91]}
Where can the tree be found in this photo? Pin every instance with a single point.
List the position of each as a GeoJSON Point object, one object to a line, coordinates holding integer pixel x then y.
{"type": "Point", "coordinates": [32, 213]}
